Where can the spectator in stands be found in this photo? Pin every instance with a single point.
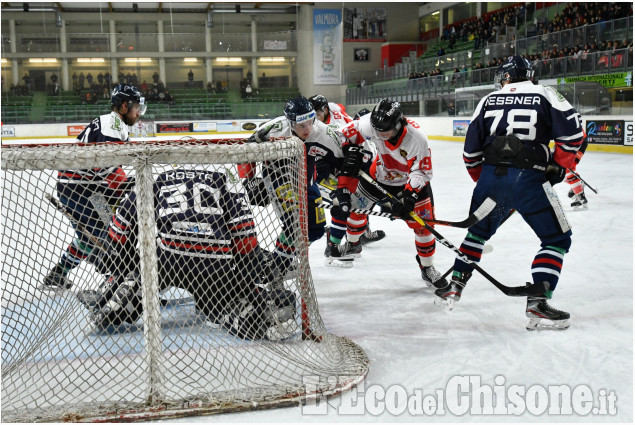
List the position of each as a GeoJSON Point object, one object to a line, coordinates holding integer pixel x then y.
{"type": "Point", "coordinates": [210, 88]}
{"type": "Point", "coordinates": [169, 99]}
{"type": "Point", "coordinates": [107, 80]}
{"type": "Point", "coordinates": [219, 85]}
{"type": "Point", "coordinates": [190, 78]}
{"type": "Point", "coordinates": [155, 77]}
{"type": "Point", "coordinates": [144, 86]}
{"type": "Point", "coordinates": [440, 52]}
{"type": "Point", "coordinates": [451, 109]}
{"type": "Point", "coordinates": [89, 79]}
{"type": "Point", "coordinates": [100, 79]}
{"type": "Point", "coordinates": [81, 80]}
{"type": "Point", "coordinates": [248, 90]}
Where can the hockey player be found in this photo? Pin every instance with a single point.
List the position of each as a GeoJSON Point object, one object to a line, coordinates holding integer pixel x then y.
{"type": "Point", "coordinates": [576, 191]}
{"type": "Point", "coordinates": [403, 167]}
{"type": "Point", "coordinates": [319, 139]}
{"type": "Point", "coordinates": [506, 152]}
{"type": "Point", "coordinates": [328, 164]}
{"type": "Point", "coordinates": [75, 187]}
{"type": "Point", "coordinates": [206, 245]}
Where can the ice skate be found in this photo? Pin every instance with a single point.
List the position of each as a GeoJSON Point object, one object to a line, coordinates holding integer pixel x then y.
{"type": "Point", "coordinates": [579, 202]}
{"type": "Point", "coordinates": [370, 236]}
{"type": "Point", "coordinates": [451, 293]}
{"type": "Point", "coordinates": [544, 317]}
{"type": "Point", "coordinates": [334, 254]}
{"type": "Point", "coordinates": [431, 276]}
{"type": "Point", "coordinates": [352, 249]}
{"type": "Point", "coordinates": [56, 280]}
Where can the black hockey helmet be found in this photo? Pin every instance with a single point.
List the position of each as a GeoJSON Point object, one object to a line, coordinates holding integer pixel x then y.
{"type": "Point", "coordinates": [126, 93]}
{"type": "Point", "coordinates": [299, 110]}
{"type": "Point", "coordinates": [361, 113]}
{"type": "Point", "coordinates": [513, 70]}
{"type": "Point", "coordinates": [318, 102]}
{"type": "Point", "coordinates": [386, 116]}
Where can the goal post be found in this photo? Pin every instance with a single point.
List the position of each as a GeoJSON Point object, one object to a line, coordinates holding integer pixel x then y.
{"type": "Point", "coordinates": [170, 354]}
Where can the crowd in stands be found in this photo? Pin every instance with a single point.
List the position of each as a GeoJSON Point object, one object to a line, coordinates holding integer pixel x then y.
{"type": "Point", "coordinates": [484, 29]}
{"type": "Point", "coordinates": [18, 90]}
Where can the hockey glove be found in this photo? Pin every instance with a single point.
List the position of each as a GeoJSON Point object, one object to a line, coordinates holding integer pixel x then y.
{"type": "Point", "coordinates": [256, 191]}
{"type": "Point", "coordinates": [261, 135]}
{"type": "Point", "coordinates": [406, 206]}
{"type": "Point", "coordinates": [555, 173]}
{"type": "Point", "coordinates": [343, 197]}
{"type": "Point", "coordinates": [352, 161]}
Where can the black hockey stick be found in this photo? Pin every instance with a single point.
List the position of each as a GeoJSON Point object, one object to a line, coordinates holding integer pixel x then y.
{"type": "Point", "coordinates": [481, 212]}
{"type": "Point", "coordinates": [583, 181]}
{"type": "Point", "coordinates": [515, 291]}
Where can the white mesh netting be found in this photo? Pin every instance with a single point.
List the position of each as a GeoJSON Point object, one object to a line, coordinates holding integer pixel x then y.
{"type": "Point", "coordinates": [218, 311]}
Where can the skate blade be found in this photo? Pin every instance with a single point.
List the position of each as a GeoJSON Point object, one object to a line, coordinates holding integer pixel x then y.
{"type": "Point", "coordinates": [445, 303]}
{"type": "Point", "coordinates": [580, 207]}
{"type": "Point", "coordinates": [342, 263]}
{"type": "Point", "coordinates": [52, 290]}
{"type": "Point", "coordinates": [536, 324]}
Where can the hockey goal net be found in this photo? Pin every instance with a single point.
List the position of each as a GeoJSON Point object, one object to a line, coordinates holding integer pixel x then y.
{"type": "Point", "coordinates": [169, 360]}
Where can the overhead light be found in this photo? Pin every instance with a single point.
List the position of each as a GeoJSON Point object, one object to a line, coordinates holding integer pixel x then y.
{"type": "Point", "coordinates": [229, 59]}
{"type": "Point", "coordinates": [43, 60]}
{"type": "Point", "coordinates": [274, 59]}
{"type": "Point", "coordinates": [137, 60]}
{"type": "Point", "coordinates": [4, 60]}
{"type": "Point", "coordinates": [435, 13]}
{"type": "Point", "coordinates": [86, 60]}
{"type": "Point", "coordinates": [190, 60]}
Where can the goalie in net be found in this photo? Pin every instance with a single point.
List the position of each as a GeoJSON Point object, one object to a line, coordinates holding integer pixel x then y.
{"type": "Point", "coordinates": [207, 246]}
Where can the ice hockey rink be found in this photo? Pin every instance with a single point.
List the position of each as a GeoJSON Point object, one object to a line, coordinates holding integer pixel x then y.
{"type": "Point", "coordinates": [421, 352]}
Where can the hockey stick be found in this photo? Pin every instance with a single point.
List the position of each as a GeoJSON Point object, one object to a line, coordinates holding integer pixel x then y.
{"type": "Point", "coordinates": [583, 181]}
{"type": "Point", "coordinates": [515, 291]}
{"type": "Point", "coordinates": [485, 247]}
{"type": "Point", "coordinates": [79, 226]}
{"type": "Point", "coordinates": [481, 212]}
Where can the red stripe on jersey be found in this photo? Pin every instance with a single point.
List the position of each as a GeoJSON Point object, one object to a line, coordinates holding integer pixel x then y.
{"type": "Point", "coordinates": [195, 246]}
{"type": "Point", "coordinates": [347, 182]}
{"type": "Point", "coordinates": [118, 224]}
{"type": "Point", "coordinates": [337, 221]}
{"type": "Point", "coordinates": [392, 164]}
{"type": "Point", "coordinates": [122, 239]}
{"type": "Point", "coordinates": [475, 172]}
{"type": "Point", "coordinates": [547, 261]}
{"type": "Point", "coordinates": [245, 245]}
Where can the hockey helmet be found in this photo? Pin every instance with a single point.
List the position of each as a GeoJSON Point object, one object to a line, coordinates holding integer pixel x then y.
{"type": "Point", "coordinates": [299, 111]}
{"type": "Point", "coordinates": [126, 93]}
{"type": "Point", "coordinates": [513, 70]}
{"type": "Point", "coordinates": [386, 116]}
{"type": "Point", "coordinates": [361, 113]}
{"type": "Point", "coordinates": [318, 102]}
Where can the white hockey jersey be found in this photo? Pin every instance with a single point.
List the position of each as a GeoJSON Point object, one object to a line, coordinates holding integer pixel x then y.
{"type": "Point", "coordinates": [407, 162]}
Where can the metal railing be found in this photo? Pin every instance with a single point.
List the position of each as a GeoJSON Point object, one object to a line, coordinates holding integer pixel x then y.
{"type": "Point", "coordinates": [435, 89]}
{"type": "Point", "coordinates": [619, 29]}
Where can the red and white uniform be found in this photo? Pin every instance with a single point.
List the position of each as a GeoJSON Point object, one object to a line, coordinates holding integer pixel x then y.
{"type": "Point", "coordinates": [406, 163]}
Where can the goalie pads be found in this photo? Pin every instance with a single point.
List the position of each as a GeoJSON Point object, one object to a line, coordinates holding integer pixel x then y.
{"type": "Point", "coordinates": [256, 191]}
{"type": "Point", "coordinates": [263, 315]}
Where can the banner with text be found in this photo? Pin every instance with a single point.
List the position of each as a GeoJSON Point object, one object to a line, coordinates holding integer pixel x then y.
{"type": "Point", "coordinates": [605, 132]}
{"type": "Point", "coordinates": [327, 46]}
{"type": "Point", "coordinates": [620, 79]}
